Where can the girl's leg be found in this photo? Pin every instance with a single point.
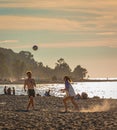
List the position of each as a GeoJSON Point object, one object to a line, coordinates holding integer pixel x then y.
{"type": "Point", "coordinates": [74, 103]}
{"type": "Point", "coordinates": [65, 104]}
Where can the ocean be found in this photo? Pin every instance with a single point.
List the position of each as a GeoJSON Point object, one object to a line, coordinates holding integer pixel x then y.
{"type": "Point", "coordinates": [101, 89]}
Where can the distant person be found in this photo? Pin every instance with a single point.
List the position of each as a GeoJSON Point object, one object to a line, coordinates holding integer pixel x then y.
{"type": "Point", "coordinates": [13, 91]}
{"type": "Point", "coordinates": [5, 90]}
{"type": "Point", "coordinates": [38, 94]}
{"type": "Point", "coordinates": [78, 96]}
{"type": "Point", "coordinates": [47, 93]}
{"type": "Point", "coordinates": [70, 94]}
{"type": "Point", "coordinates": [9, 91]}
{"type": "Point", "coordinates": [30, 84]}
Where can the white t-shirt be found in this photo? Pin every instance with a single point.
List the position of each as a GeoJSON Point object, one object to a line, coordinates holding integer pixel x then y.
{"type": "Point", "coordinates": [69, 89]}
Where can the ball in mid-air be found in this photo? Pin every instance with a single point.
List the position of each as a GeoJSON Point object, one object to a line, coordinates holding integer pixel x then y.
{"type": "Point", "coordinates": [35, 47]}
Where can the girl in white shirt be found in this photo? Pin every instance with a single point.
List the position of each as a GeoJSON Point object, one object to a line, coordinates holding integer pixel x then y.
{"type": "Point", "coordinates": [70, 93]}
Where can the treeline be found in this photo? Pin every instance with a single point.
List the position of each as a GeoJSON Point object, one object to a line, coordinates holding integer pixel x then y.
{"type": "Point", "coordinates": [13, 67]}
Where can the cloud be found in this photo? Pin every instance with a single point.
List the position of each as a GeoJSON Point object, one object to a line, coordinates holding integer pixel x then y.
{"type": "Point", "coordinates": [106, 33]}
{"type": "Point", "coordinates": [80, 15]}
{"type": "Point", "coordinates": [36, 23]}
{"type": "Point", "coordinates": [90, 19]}
{"type": "Point", "coordinates": [9, 41]}
{"type": "Point", "coordinates": [14, 44]}
{"type": "Point", "coordinates": [59, 4]}
{"type": "Point", "coordinates": [92, 32]}
{"type": "Point", "coordinates": [57, 24]}
{"type": "Point", "coordinates": [89, 43]}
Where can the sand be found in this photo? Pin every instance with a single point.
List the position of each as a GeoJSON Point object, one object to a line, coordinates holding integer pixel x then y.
{"type": "Point", "coordinates": [94, 114]}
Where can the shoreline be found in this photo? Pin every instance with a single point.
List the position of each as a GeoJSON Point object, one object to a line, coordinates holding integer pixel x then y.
{"type": "Point", "coordinates": [60, 82]}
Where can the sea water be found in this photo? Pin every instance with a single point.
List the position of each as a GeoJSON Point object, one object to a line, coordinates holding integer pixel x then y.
{"type": "Point", "coordinates": [101, 89]}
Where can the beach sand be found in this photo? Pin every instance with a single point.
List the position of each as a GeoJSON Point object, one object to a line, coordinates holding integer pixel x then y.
{"type": "Point", "coordinates": [94, 114]}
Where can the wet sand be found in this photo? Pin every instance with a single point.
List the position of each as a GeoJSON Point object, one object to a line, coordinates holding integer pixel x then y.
{"type": "Point", "coordinates": [94, 114]}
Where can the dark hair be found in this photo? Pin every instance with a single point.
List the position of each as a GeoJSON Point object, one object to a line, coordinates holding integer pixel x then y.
{"type": "Point", "coordinates": [67, 78]}
{"type": "Point", "coordinates": [28, 72]}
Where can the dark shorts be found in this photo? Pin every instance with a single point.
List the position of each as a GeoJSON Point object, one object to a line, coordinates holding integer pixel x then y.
{"type": "Point", "coordinates": [31, 92]}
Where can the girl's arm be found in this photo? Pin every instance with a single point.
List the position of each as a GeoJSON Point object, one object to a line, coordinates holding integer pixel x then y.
{"type": "Point", "coordinates": [66, 87]}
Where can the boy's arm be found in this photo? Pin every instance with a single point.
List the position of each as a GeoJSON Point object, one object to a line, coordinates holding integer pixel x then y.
{"type": "Point", "coordinates": [34, 83]}
{"type": "Point", "coordinates": [25, 86]}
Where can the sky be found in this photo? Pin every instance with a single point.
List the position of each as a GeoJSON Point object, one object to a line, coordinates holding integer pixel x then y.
{"type": "Point", "coordinates": [82, 32]}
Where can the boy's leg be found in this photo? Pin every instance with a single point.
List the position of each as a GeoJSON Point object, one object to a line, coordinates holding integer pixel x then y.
{"type": "Point", "coordinates": [32, 101]}
{"type": "Point", "coordinates": [29, 103]}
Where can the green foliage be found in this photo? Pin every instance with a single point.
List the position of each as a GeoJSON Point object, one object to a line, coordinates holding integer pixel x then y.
{"type": "Point", "coordinates": [13, 66]}
{"type": "Point", "coordinates": [79, 72]}
{"type": "Point", "coordinates": [54, 78]}
{"type": "Point", "coordinates": [62, 68]}
{"type": "Point", "coordinates": [18, 69]}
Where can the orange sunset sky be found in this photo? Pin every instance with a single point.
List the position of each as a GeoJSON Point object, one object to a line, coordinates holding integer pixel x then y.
{"type": "Point", "coordinates": [83, 32]}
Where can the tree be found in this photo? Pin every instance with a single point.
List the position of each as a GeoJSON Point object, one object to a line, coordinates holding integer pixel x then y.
{"type": "Point", "coordinates": [26, 54]}
{"type": "Point", "coordinates": [54, 78]}
{"type": "Point", "coordinates": [18, 69]}
{"type": "Point", "coordinates": [4, 72]}
{"type": "Point", "coordinates": [13, 65]}
{"type": "Point", "coordinates": [62, 68]}
{"type": "Point", "coordinates": [79, 72]}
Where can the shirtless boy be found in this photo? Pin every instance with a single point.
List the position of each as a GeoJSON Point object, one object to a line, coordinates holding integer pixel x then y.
{"type": "Point", "coordinates": [30, 84]}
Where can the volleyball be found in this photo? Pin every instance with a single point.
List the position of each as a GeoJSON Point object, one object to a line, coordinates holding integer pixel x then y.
{"type": "Point", "coordinates": [35, 47]}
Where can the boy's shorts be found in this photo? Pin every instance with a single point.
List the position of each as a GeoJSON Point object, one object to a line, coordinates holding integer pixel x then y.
{"type": "Point", "coordinates": [31, 92]}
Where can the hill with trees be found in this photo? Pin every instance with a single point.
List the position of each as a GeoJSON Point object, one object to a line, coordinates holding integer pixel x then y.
{"type": "Point", "coordinates": [13, 67]}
